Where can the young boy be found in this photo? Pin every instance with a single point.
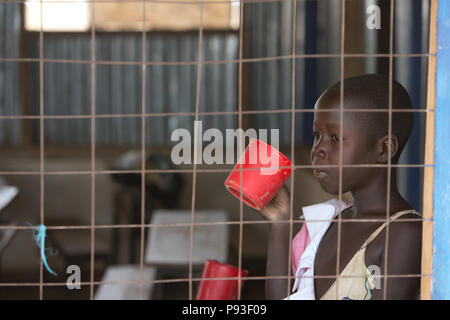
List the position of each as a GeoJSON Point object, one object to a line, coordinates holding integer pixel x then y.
{"type": "Point", "coordinates": [365, 141]}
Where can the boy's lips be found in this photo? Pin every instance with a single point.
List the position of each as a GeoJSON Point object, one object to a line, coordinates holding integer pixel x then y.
{"type": "Point", "coordinates": [318, 173]}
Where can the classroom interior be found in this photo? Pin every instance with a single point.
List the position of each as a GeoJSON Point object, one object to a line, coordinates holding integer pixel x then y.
{"type": "Point", "coordinates": [87, 89]}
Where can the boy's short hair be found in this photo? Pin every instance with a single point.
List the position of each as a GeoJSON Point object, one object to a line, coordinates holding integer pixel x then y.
{"type": "Point", "coordinates": [371, 91]}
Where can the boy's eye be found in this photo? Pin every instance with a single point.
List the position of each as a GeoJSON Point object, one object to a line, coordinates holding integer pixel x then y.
{"type": "Point", "coordinates": [335, 137]}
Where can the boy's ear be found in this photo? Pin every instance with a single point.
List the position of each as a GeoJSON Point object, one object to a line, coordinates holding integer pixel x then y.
{"type": "Point", "coordinates": [383, 148]}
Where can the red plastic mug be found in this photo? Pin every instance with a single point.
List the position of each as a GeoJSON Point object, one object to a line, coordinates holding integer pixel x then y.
{"type": "Point", "coordinates": [219, 289]}
{"type": "Point", "coordinates": [269, 171]}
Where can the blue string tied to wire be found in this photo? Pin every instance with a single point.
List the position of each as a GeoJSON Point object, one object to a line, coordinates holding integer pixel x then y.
{"type": "Point", "coordinates": [39, 236]}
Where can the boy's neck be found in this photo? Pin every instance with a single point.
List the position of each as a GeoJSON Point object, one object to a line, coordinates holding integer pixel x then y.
{"type": "Point", "coordinates": [371, 200]}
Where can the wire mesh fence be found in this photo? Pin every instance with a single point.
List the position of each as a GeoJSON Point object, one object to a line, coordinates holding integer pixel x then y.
{"type": "Point", "coordinates": [144, 113]}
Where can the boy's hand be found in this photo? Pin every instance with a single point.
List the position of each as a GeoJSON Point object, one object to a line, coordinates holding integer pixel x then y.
{"type": "Point", "coordinates": [278, 208]}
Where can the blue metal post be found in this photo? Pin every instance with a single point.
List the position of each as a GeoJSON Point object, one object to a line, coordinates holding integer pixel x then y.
{"type": "Point", "coordinates": [441, 237]}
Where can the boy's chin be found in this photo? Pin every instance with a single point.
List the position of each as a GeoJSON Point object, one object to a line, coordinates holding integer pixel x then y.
{"type": "Point", "coordinates": [333, 190]}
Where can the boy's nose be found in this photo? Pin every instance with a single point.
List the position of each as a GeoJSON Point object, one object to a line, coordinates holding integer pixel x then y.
{"type": "Point", "coordinates": [318, 153]}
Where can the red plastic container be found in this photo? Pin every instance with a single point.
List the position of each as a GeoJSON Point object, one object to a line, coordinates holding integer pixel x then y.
{"type": "Point", "coordinates": [259, 186]}
{"type": "Point", "coordinates": [219, 289]}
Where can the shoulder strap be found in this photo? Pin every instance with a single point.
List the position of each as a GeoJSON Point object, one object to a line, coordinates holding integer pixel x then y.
{"type": "Point", "coordinates": [391, 218]}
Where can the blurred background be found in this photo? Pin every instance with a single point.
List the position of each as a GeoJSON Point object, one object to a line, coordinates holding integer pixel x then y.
{"type": "Point", "coordinates": [68, 88]}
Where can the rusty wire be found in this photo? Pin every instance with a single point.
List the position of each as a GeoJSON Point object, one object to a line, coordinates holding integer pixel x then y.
{"type": "Point", "coordinates": [194, 170]}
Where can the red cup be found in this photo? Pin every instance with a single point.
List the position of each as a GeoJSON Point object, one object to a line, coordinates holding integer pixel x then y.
{"type": "Point", "coordinates": [259, 186]}
{"type": "Point", "coordinates": [219, 289]}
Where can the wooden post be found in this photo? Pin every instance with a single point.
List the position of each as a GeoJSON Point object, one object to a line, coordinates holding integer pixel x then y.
{"type": "Point", "coordinates": [427, 232]}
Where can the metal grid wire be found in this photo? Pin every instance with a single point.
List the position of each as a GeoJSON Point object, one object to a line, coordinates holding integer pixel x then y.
{"type": "Point", "coordinates": [240, 112]}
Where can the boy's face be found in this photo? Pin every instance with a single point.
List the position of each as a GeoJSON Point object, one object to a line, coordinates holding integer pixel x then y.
{"type": "Point", "coordinates": [358, 147]}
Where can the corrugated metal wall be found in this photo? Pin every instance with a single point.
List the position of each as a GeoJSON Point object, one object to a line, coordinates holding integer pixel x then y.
{"type": "Point", "coordinates": [169, 88]}
{"type": "Point", "coordinates": [67, 86]}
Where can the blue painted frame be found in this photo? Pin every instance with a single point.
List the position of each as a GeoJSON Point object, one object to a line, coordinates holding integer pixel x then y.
{"type": "Point", "coordinates": [441, 237]}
